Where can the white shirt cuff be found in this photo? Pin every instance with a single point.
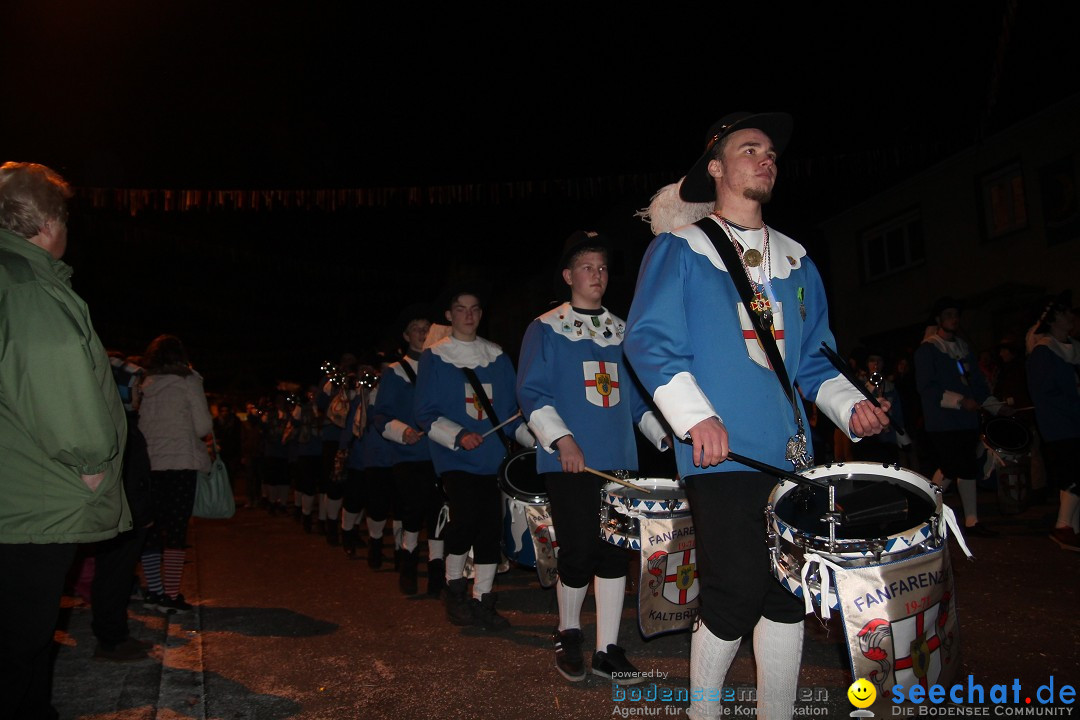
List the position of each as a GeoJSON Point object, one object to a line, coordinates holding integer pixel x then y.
{"type": "Point", "coordinates": [548, 427]}
{"type": "Point", "coordinates": [654, 430]}
{"type": "Point", "coordinates": [445, 431]}
{"type": "Point", "coordinates": [683, 404]}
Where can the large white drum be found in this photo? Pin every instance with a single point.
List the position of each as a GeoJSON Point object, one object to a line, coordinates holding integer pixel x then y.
{"type": "Point", "coordinates": [796, 525]}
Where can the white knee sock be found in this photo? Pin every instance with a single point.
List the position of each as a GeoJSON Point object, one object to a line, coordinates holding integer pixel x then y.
{"type": "Point", "coordinates": [332, 510]}
{"type": "Point", "coordinates": [485, 578]}
{"type": "Point", "coordinates": [348, 520]}
{"type": "Point", "coordinates": [375, 528]}
{"type": "Point", "coordinates": [570, 601]}
{"type": "Point", "coordinates": [710, 658]}
{"type": "Point", "coordinates": [455, 567]}
{"type": "Point", "coordinates": [434, 550]}
{"type": "Point", "coordinates": [409, 541]}
{"type": "Point", "coordinates": [1067, 513]}
{"type": "Point", "coordinates": [398, 529]}
{"type": "Point", "coordinates": [778, 652]}
{"type": "Point", "coordinates": [966, 488]}
{"type": "Point", "coordinates": [609, 607]}
{"type": "Point", "coordinates": [306, 503]}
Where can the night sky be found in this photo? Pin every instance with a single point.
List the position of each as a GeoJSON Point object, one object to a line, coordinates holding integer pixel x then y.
{"type": "Point", "coordinates": [223, 95]}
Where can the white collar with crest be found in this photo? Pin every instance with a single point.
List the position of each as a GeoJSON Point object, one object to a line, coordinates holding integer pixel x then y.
{"type": "Point", "coordinates": [603, 329]}
{"type": "Point", "coordinates": [478, 353]}
{"type": "Point", "coordinates": [786, 254]}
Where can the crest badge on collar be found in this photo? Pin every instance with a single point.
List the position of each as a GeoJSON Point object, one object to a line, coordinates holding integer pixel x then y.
{"type": "Point", "coordinates": [601, 383]}
{"type": "Point", "coordinates": [753, 345]}
{"type": "Point", "coordinates": [473, 406]}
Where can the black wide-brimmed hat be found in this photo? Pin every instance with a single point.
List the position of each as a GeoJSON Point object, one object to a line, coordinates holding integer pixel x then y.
{"type": "Point", "coordinates": [698, 185]}
{"type": "Point", "coordinates": [578, 241]}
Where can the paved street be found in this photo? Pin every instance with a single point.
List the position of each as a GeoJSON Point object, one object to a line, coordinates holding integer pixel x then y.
{"type": "Point", "coordinates": [288, 627]}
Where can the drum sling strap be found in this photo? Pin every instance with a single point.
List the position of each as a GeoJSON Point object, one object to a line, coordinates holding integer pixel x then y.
{"type": "Point", "coordinates": [408, 370]}
{"type": "Point", "coordinates": [796, 446]}
{"type": "Point", "coordinates": [881, 502]}
{"type": "Point", "coordinates": [478, 391]}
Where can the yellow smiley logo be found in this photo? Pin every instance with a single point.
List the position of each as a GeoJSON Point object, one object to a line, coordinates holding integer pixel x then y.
{"type": "Point", "coordinates": [862, 693]}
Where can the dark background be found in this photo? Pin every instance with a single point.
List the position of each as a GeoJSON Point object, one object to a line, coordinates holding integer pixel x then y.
{"type": "Point", "coordinates": [564, 117]}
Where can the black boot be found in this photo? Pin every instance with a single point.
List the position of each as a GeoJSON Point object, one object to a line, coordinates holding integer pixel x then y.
{"type": "Point", "coordinates": [320, 527]}
{"type": "Point", "coordinates": [407, 574]}
{"type": "Point", "coordinates": [332, 533]}
{"type": "Point", "coordinates": [436, 577]}
{"type": "Point", "coordinates": [305, 523]}
{"type": "Point", "coordinates": [348, 541]}
{"type": "Point", "coordinates": [398, 552]}
{"type": "Point", "coordinates": [297, 513]}
{"type": "Point", "coordinates": [374, 553]}
{"type": "Point", "coordinates": [458, 610]}
{"type": "Point", "coordinates": [484, 614]}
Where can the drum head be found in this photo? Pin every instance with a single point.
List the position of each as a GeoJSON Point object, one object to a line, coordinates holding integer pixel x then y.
{"type": "Point", "coordinates": [805, 507]}
{"type": "Point", "coordinates": [518, 478]}
{"type": "Point", "coordinates": [1006, 434]}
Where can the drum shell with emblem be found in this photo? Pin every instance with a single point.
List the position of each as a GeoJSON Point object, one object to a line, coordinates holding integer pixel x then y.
{"type": "Point", "coordinates": [520, 485]}
{"type": "Point", "coordinates": [793, 531]}
{"type": "Point", "coordinates": [622, 508]}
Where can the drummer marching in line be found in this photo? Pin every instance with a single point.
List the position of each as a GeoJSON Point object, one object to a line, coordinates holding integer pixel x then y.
{"type": "Point", "coordinates": [465, 386]}
{"type": "Point", "coordinates": [581, 402]}
{"type": "Point", "coordinates": [953, 390]}
{"type": "Point", "coordinates": [704, 350]}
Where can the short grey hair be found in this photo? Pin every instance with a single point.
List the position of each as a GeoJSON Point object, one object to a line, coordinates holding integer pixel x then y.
{"type": "Point", "coordinates": [30, 196]}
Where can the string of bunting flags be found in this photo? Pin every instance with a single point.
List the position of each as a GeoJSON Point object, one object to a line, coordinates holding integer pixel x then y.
{"type": "Point", "coordinates": [133, 201]}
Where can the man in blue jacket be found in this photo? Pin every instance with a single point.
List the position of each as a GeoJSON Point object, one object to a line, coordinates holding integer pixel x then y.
{"type": "Point", "coordinates": [691, 341]}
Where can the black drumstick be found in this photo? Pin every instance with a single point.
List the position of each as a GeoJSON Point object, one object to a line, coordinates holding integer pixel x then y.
{"type": "Point", "coordinates": [839, 364]}
{"type": "Point", "coordinates": [775, 471]}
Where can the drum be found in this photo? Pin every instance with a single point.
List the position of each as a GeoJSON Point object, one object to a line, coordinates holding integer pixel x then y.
{"type": "Point", "coordinates": [1007, 436]}
{"type": "Point", "coordinates": [520, 486]}
{"type": "Point", "coordinates": [796, 525]}
{"type": "Point", "coordinates": [1008, 445]}
{"type": "Point", "coordinates": [622, 508]}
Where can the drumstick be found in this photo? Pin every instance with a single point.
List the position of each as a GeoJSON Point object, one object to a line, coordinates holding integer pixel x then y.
{"type": "Point", "coordinates": [775, 471]}
{"type": "Point", "coordinates": [507, 421]}
{"type": "Point", "coordinates": [614, 479]}
{"type": "Point", "coordinates": [839, 364]}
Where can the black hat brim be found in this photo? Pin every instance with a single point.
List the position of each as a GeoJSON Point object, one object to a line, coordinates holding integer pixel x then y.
{"type": "Point", "coordinates": [698, 186]}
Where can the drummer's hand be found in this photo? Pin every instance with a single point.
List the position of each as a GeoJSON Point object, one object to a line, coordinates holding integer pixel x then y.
{"type": "Point", "coordinates": [868, 420]}
{"type": "Point", "coordinates": [471, 440]}
{"type": "Point", "coordinates": [570, 455]}
{"type": "Point", "coordinates": [710, 441]}
{"type": "Point", "coordinates": [970, 405]}
{"type": "Point", "coordinates": [410, 436]}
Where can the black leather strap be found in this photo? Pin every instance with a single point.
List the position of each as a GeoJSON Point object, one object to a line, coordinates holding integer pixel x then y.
{"type": "Point", "coordinates": [408, 370]}
{"type": "Point", "coordinates": [478, 391]}
{"type": "Point", "coordinates": [734, 264]}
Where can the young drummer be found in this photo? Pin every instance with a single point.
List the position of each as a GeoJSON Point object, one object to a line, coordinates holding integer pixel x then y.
{"type": "Point", "coordinates": [456, 418]}
{"type": "Point", "coordinates": [418, 494]}
{"type": "Point", "coordinates": [578, 396]}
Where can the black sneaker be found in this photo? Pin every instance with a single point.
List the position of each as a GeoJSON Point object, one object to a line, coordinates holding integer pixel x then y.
{"type": "Point", "coordinates": [407, 574]}
{"type": "Point", "coordinates": [436, 577]}
{"type": "Point", "coordinates": [374, 553]}
{"type": "Point", "coordinates": [458, 608]}
{"type": "Point", "coordinates": [980, 530]}
{"type": "Point", "coordinates": [568, 658]}
{"type": "Point", "coordinates": [614, 666]}
{"type": "Point", "coordinates": [127, 650]}
{"type": "Point", "coordinates": [174, 606]}
{"type": "Point", "coordinates": [484, 614]}
{"type": "Point", "coordinates": [151, 600]}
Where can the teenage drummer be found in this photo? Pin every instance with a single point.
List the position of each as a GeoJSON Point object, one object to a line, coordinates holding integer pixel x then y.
{"type": "Point", "coordinates": [581, 403]}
